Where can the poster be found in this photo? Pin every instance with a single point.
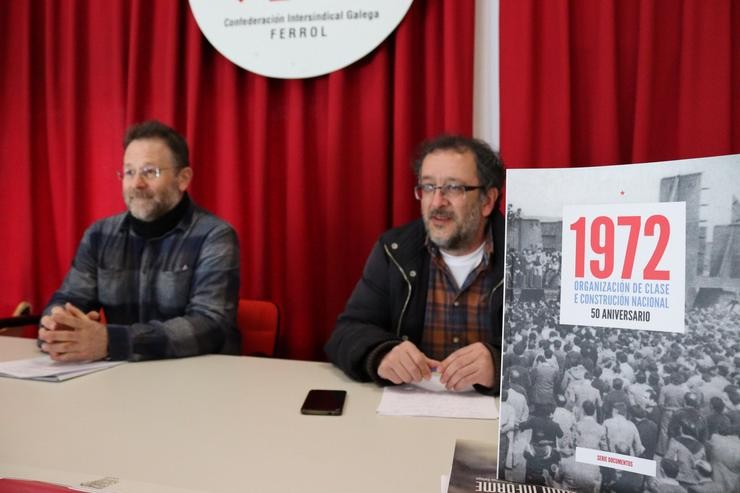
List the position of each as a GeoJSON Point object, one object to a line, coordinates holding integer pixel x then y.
{"type": "Point", "coordinates": [621, 358]}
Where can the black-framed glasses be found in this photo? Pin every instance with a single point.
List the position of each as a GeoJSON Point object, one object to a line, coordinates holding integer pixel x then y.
{"type": "Point", "coordinates": [448, 190]}
{"type": "Point", "coordinates": [147, 173]}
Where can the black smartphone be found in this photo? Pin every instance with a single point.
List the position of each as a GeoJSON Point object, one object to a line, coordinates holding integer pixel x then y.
{"type": "Point", "coordinates": [324, 402]}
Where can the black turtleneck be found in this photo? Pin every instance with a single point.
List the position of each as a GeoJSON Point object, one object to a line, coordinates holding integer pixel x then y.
{"type": "Point", "coordinates": [163, 224]}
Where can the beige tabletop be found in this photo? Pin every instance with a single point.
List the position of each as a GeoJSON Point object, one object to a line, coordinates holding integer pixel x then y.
{"type": "Point", "coordinates": [220, 424]}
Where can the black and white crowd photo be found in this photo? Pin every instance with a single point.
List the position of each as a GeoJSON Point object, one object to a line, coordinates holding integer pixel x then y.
{"type": "Point", "coordinates": [668, 396]}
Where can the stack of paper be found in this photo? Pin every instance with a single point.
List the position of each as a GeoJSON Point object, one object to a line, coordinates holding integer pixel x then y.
{"type": "Point", "coordinates": [430, 398]}
{"type": "Point", "coordinates": [46, 369]}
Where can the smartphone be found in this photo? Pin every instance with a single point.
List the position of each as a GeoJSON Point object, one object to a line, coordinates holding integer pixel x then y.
{"type": "Point", "coordinates": [324, 402]}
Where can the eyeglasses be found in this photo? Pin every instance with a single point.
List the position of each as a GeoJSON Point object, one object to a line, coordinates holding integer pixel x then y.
{"type": "Point", "coordinates": [449, 190]}
{"type": "Point", "coordinates": [147, 173]}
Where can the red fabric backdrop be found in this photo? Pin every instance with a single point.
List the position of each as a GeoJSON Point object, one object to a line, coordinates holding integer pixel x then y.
{"type": "Point", "coordinates": [308, 171]}
{"type": "Point", "coordinates": [618, 81]}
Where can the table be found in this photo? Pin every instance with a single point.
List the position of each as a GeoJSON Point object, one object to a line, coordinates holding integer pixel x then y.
{"type": "Point", "coordinates": [218, 423]}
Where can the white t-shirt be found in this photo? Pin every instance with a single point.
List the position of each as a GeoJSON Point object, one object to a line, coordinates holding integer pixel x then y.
{"type": "Point", "coordinates": [461, 266]}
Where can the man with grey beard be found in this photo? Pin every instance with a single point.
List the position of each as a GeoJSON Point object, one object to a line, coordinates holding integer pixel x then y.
{"type": "Point", "coordinates": [430, 297]}
{"type": "Point", "coordinates": [165, 274]}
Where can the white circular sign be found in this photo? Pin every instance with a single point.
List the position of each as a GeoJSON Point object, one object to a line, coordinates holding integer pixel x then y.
{"type": "Point", "coordinates": [294, 39]}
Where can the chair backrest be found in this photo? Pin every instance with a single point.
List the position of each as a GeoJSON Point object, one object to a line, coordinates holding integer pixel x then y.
{"type": "Point", "coordinates": [23, 323]}
{"type": "Point", "coordinates": [258, 322]}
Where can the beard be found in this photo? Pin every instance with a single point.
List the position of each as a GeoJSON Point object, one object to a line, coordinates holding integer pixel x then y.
{"type": "Point", "coordinates": [147, 205]}
{"type": "Point", "coordinates": [464, 230]}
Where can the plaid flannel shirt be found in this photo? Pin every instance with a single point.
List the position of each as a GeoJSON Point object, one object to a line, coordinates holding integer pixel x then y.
{"type": "Point", "coordinates": [171, 296]}
{"type": "Point", "coordinates": [456, 317]}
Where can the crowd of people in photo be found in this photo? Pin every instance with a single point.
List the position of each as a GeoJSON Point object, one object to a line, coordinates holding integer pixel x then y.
{"type": "Point", "coordinates": [672, 398]}
{"type": "Point", "coordinates": [534, 268]}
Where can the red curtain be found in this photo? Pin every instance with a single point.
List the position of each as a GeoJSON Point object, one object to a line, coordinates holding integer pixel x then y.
{"type": "Point", "coordinates": [588, 82]}
{"type": "Point", "coordinates": [307, 171]}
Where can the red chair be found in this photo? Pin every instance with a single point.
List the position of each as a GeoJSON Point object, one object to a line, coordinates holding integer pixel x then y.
{"type": "Point", "coordinates": [258, 322]}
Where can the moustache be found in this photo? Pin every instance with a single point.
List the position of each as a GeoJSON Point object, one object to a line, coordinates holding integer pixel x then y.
{"type": "Point", "coordinates": [140, 194]}
{"type": "Point", "coordinates": [441, 213]}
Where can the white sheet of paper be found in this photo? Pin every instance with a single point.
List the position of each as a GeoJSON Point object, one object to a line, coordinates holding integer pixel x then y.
{"type": "Point", "coordinates": [44, 368]}
{"type": "Point", "coordinates": [410, 400]}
